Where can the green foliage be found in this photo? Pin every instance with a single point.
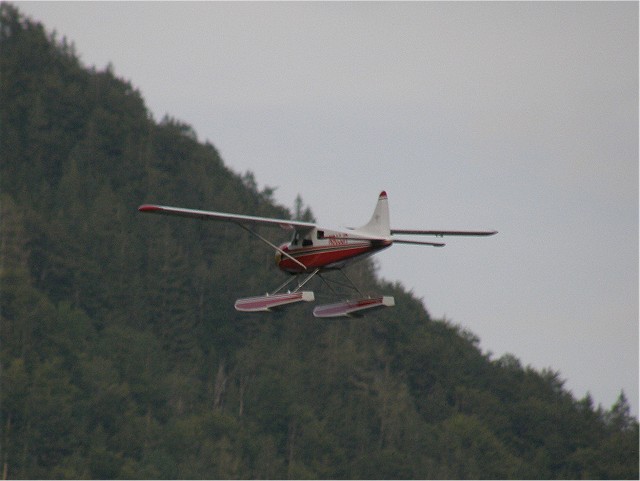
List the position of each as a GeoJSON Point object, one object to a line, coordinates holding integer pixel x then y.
{"type": "Point", "coordinates": [122, 356]}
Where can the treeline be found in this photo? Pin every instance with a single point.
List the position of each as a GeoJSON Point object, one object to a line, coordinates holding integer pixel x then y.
{"type": "Point", "coordinates": [122, 355]}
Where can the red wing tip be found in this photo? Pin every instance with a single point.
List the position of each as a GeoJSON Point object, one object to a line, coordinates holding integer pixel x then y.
{"type": "Point", "coordinates": [383, 195]}
{"type": "Point", "coordinates": [148, 208]}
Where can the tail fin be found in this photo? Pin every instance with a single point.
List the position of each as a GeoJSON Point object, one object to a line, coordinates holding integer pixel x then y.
{"type": "Point", "coordinates": [379, 223]}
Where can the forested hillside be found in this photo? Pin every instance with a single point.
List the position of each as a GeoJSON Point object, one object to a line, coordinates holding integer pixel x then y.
{"type": "Point", "coordinates": [122, 355]}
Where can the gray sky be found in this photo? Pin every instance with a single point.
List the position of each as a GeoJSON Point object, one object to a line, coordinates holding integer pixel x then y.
{"type": "Point", "coordinates": [520, 117]}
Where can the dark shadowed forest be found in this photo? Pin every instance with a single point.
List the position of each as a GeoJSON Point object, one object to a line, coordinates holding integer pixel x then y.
{"type": "Point", "coordinates": [122, 355]}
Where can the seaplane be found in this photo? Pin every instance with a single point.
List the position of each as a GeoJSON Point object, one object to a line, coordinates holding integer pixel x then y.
{"type": "Point", "coordinates": [315, 250]}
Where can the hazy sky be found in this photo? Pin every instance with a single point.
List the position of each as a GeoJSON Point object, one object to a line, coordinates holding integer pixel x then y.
{"type": "Point", "coordinates": [519, 117]}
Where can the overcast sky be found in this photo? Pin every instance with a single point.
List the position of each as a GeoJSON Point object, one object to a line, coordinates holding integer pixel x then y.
{"type": "Point", "coordinates": [519, 117]}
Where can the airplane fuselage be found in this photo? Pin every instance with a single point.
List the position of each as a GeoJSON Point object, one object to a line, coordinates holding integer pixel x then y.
{"type": "Point", "coordinates": [327, 249]}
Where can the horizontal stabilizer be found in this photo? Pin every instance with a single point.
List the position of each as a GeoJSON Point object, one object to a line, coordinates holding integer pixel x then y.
{"type": "Point", "coordinates": [420, 243]}
{"type": "Point", "coordinates": [266, 303]}
{"type": "Point", "coordinates": [353, 308]}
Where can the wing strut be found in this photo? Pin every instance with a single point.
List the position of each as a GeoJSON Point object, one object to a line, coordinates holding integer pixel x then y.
{"type": "Point", "coordinates": [269, 243]}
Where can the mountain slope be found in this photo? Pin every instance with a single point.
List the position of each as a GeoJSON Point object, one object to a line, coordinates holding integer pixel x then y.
{"type": "Point", "coordinates": [122, 355]}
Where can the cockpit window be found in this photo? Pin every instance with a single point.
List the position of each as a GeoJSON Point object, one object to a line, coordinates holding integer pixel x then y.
{"type": "Point", "coordinates": [297, 238]}
{"type": "Point", "coordinates": [320, 234]}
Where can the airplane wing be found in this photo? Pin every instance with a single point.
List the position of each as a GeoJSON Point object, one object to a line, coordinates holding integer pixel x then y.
{"type": "Point", "coordinates": [441, 233]}
{"type": "Point", "coordinates": [222, 216]}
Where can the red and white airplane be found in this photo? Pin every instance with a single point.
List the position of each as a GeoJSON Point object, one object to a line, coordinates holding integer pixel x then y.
{"type": "Point", "coordinates": [314, 250]}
